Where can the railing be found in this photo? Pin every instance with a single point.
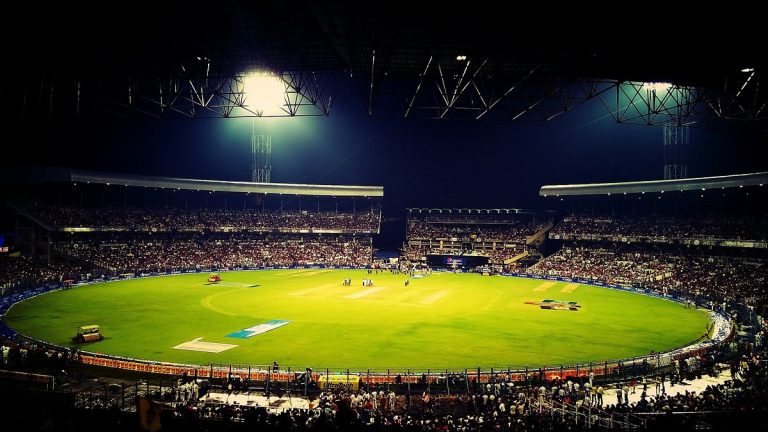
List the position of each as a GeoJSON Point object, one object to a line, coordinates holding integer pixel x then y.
{"type": "Point", "coordinates": [123, 395]}
{"type": "Point", "coordinates": [700, 420]}
{"type": "Point", "coordinates": [595, 417]}
{"type": "Point", "coordinates": [583, 414]}
{"type": "Point", "coordinates": [430, 379]}
{"type": "Point", "coordinates": [46, 381]}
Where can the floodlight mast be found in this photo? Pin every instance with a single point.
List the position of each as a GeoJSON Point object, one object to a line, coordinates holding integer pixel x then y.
{"type": "Point", "coordinates": [675, 151]}
{"type": "Point", "coordinates": [265, 94]}
{"type": "Point", "coordinates": [261, 152]}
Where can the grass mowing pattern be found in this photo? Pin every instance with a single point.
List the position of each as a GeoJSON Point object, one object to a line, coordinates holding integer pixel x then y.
{"type": "Point", "coordinates": [444, 320]}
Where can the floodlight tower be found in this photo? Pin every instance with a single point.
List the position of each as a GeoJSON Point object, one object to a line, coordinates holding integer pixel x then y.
{"type": "Point", "coordinates": [264, 94]}
{"type": "Point", "coordinates": [261, 151]}
{"type": "Point", "coordinates": [675, 151]}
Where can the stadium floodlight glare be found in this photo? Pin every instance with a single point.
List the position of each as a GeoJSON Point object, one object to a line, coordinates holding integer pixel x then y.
{"type": "Point", "coordinates": [748, 70]}
{"type": "Point", "coordinates": [264, 92]}
{"type": "Point", "coordinates": [461, 57]}
{"type": "Point", "coordinates": [658, 86]}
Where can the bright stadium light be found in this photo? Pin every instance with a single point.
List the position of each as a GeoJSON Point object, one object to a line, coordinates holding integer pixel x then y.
{"type": "Point", "coordinates": [748, 70]}
{"type": "Point", "coordinates": [264, 92]}
{"type": "Point", "coordinates": [658, 86]}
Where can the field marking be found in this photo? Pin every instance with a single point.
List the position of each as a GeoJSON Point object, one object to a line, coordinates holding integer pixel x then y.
{"type": "Point", "coordinates": [364, 293]}
{"type": "Point", "coordinates": [315, 289]}
{"type": "Point", "coordinates": [404, 297]}
{"type": "Point", "coordinates": [544, 286]}
{"type": "Point", "coordinates": [235, 284]}
{"type": "Point", "coordinates": [198, 345]}
{"type": "Point", "coordinates": [206, 302]}
{"type": "Point", "coordinates": [434, 297]}
{"type": "Point", "coordinates": [488, 306]}
{"type": "Point", "coordinates": [310, 273]}
{"type": "Point", "coordinates": [297, 272]}
{"type": "Point", "coordinates": [258, 329]}
{"type": "Point", "coordinates": [571, 287]}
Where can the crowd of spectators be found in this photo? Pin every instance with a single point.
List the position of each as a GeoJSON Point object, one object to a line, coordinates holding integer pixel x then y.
{"type": "Point", "coordinates": [672, 271]}
{"type": "Point", "coordinates": [415, 253]}
{"type": "Point", "coordinates": [83, 257]}
{"type": "Point", "coordinates": [192, 240]}
{"type": "Point", "coordinates": [141, 219]}
{"type": "Point", "coordinates": [175, 252]}
{"type": "Point", "coordinates": [506, 405]}
{"type": "Point", "coordinates": [506, 230]}
{"type": "Point", "coordinates": [662, 229]}
{"type": "Point", "coordinates": [500, 404]}
{"type": "Point", "coordinates": [20, 271]}
{"type": "Point", "coordinates": [499, 237]}
{"type": "Point", "coordinates": [25, 355]}
{"type": "Point", "coordinates": [133, 240]}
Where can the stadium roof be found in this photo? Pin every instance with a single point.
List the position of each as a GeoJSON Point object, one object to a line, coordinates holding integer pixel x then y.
{"type": "Point", "coordinates": [343, 36]}
{"type": "Point", "coordinates": [412, 59]}
{"type": "Point", "coordinates": [53, 175]}
{"type": "Point", "coordinates": [699, 183]}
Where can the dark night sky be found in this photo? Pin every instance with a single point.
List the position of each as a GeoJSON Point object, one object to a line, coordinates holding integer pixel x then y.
{"type": "Point", "coordinates": [420, 163]}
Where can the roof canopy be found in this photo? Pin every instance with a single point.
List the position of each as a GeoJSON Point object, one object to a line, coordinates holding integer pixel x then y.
{"type": "Point", "coordinates": [47, 175]}
{"type": "Point", "coordinates": [699, 183]}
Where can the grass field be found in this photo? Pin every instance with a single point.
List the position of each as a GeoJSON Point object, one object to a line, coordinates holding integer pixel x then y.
{"type": "Point", "coordinates": [444, 320]}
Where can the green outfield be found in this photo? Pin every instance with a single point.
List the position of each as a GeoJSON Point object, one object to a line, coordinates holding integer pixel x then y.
{"type": "Point", "coordinates": [443, 320]}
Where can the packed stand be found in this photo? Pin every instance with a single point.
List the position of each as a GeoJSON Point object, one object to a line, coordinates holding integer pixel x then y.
{"type": "Point", "coordinates": [20, 272]}
{"type": "Point", "coordinates": [497, 236]}
{"type": "Point", "coordinates": [662, 229]}
{"type": "Point", "coordinates": [568, 403]}
{"type": "Point", "coordinates": [505, 405]}
{"type": "Point", "coordinates": [509, 231]}
{"type": "Point", "coordinates": [162, 220]}
{"type": "Point", "coordinates": [671, 271]}
{"type": "Point", "coordinates": [161, 253]}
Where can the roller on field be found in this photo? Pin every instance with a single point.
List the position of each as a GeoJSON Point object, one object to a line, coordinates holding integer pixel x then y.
{"type": "Point", "coordinates": [88, 333]}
